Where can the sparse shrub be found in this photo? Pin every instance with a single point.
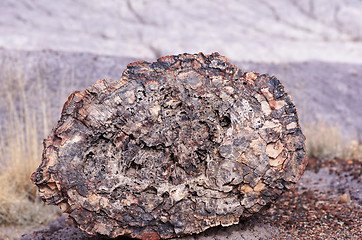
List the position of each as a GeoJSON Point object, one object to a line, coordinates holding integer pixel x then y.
{"type": "Point", "coordinates": [326, 141]}
{"type": "Point", "coordinates": [20, 154]}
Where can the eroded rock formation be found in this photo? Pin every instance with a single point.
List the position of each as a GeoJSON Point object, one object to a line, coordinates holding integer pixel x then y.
{"type": "Point", "coordinates": [173, 148]}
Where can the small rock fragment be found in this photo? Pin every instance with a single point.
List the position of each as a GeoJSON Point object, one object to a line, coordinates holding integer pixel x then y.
{"type": "Point", "coordinates": [345, 198]}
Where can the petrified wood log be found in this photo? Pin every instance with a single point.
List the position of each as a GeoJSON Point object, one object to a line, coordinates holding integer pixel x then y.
{"type": "Point", "coordinates": [173, 148]}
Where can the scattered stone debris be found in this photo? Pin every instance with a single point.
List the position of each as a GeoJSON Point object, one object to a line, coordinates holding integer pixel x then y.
{"type": "Point", "coordinates": [173, 148]}
{"type": "Point", "coordinates": [345, 198]}
{"type": "Point", "coordinates": [347, 176]}
{"type": "Point", "coordinates": [320, 213]}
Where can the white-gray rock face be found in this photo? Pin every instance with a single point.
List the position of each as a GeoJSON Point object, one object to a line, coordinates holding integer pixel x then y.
{"type": "Point", "coordinates": [262, 31]}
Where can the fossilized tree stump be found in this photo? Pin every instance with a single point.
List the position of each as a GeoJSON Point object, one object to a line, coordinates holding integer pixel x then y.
{"type": "Point", "coordinates": [173, 148]}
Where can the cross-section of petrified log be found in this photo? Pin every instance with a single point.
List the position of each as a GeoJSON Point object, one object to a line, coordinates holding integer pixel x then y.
{"type": "Point", "coordinates": [173, 148]}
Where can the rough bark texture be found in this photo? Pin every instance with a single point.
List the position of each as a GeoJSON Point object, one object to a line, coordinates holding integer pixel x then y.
{"type": "Point", "coordinates": [173, 148]}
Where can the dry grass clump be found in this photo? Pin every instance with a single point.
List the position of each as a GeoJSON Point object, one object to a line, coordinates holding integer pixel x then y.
{"type": "Point", "coordinates": [326, 141]}
{"type": "Point", "coordinates": [20, 154]}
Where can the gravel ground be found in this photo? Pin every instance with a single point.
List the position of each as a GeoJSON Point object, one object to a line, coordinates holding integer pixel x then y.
{"type": "Point", "coordinates": [317, 209]}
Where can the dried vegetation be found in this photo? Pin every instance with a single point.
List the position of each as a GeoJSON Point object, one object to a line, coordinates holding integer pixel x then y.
{"type": "Point", "coordinates": [327, 141]}
{"type": "Point", "coordinates": [20, 153]}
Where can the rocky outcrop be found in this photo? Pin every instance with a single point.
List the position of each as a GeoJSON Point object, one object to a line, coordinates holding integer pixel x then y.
{"type": "Point", "coordinates": [172, 148]}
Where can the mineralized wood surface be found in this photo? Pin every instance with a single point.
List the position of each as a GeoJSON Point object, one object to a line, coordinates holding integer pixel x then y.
{"type": "Point", "coordinates": [173, 148]}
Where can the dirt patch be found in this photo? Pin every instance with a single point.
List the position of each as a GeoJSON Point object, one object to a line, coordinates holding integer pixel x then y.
{"type": "Point", "coordinates": [326, 204]}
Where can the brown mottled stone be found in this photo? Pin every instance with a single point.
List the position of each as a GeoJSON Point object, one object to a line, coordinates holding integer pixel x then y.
{"type": "Point", "coordinates": [172, 148]}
